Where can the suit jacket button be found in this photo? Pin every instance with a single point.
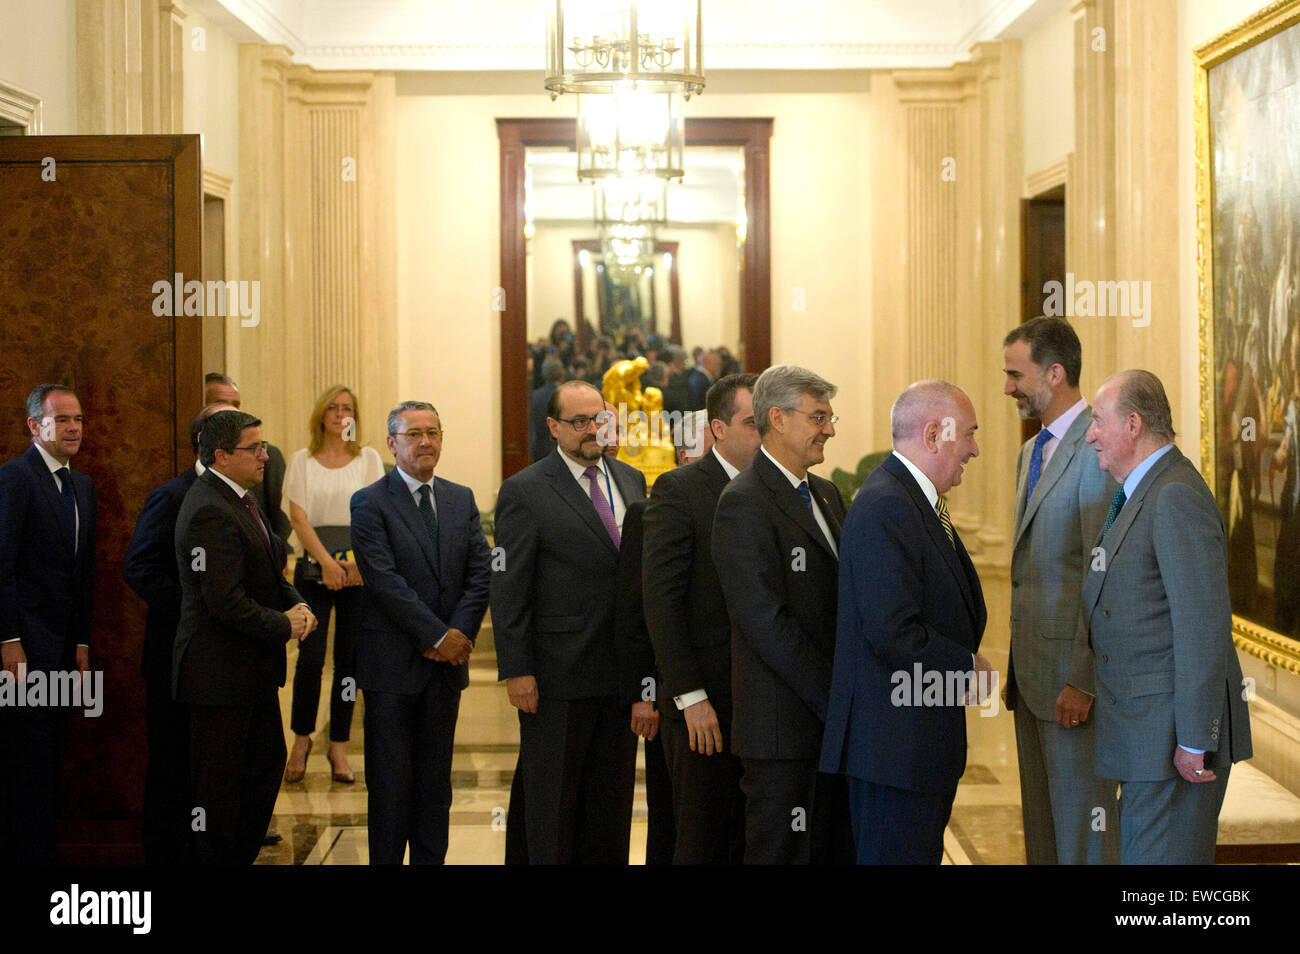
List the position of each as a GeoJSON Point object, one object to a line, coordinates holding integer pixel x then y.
{"type": "Point", "coordinates": [1105, 612]}
{"type": "Point", "coordinates": [1112, 700]}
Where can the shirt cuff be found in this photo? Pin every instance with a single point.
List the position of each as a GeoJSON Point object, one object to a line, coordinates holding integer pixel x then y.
{"type": "Point", "coordinates": [16, 639]}
{"type": "Point", "coordinates": [440, 639]}
{"type": "Point", "coordinates": [1193, 751]}
{"type": "Point", "coordinates": [690, 698]}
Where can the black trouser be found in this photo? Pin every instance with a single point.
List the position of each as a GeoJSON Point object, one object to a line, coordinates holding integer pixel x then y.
{"type": "Point", "coordinates": [709, 804]}
{"type": "Point", "coordinates": [31, 755]}
{"type": "Point", "coordinates": [661, 826]}
{"type": "Point", "coordinates": [578, 762]}
{"type": "Point", "coordinates": [795, 815]}
{"type": "Point", "coordinates": [166, 819]}
{"type": "Point", "coordinates": [237, 756]}
{"type": "Point", "coordinates": [409, 742]}
{"type": "Point", "coordinates": [350, 603]}
{"type": "Point", "coordinates": [896, 827]}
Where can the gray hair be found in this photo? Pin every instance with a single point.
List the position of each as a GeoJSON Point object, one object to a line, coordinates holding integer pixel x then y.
{"type": "Point", "coordinates": [553, 369]}
{"type": "Point", "coordinates": [1142, 393]}
{"type": "Point", "coordinates": [921, 402]}
{"type": "Point", "coordinates": [36, 400]}
{"type": "Point", "coordinates": [395, 415]}
{"type": "Point", "coordinates": [782, 386]}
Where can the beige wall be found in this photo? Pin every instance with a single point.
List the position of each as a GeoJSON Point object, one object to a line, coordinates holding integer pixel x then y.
{"type": "Point", "coordinates": [1047, 91]}
{"type": "Point", "coordinates": [38, 46]}
{"type": "Point", "coordinates": [448, 243]}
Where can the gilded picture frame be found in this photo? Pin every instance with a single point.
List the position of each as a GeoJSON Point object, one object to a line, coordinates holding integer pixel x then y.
{"type": "Point", "coordinates": [1248, 266]}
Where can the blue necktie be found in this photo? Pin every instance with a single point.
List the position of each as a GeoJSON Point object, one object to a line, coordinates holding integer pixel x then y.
{"type": "Point", "coordinates": [430, 519]}
{"type": "Point", "coordinates": [806, 494]}
{"type": "Point", "coordinates": [1036, 461]}
{"type": "Point", "coordinates": [1116, 505]}
{"type": "Point", "coordinates": [69, 500]}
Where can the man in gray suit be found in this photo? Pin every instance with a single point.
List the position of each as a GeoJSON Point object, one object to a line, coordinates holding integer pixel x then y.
{"type": "Point", "coordinates": [1061, 501]}
{"type": "Point", "coordinates": [1171, 718]}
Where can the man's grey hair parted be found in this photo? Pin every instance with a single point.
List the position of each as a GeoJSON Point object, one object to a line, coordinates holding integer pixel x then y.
{"type": "Point", "coordinates": [1141, 392]}
{"type": "Point", "coordinates": [783, 385]}
{"type": "Point", "coordinates": [395, 415]}
{"type": "Point", "coordinates": [921, 402]}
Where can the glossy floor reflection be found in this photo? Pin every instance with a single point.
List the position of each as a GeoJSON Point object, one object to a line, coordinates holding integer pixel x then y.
{"type": "Point", "coordinates": [324, 822]}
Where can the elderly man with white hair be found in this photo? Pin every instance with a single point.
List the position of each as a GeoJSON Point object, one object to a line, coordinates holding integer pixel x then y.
{"type": "Point", "coordinates": [910, 610]}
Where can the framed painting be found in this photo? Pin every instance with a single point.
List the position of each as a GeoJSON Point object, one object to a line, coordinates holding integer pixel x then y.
{"type": "Point", "coordinates": [1248, 225]}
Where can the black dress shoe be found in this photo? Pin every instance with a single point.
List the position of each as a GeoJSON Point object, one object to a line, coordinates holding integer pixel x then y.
{"type": "Point", "coordinates": [272, 838]}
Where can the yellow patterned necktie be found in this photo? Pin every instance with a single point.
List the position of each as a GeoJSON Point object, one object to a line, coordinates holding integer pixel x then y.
{"type": "Point", "coordinates": [941, 507]}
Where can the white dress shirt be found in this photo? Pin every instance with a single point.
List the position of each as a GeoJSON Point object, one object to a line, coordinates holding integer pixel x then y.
{"type": "Point", "coordinates": [608, 486]}
{"type": "Point", "coordinates": [1058, 429]}
{"type": "Point", "coordinates": [817, 511]}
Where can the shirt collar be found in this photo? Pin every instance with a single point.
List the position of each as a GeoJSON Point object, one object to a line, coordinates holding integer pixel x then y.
{"type": "Point", "coordinates": [414, 485]}
{"type": "Point", "coordinates": [579, 470]}
{"type": "Point", "coordinates": [1061, 425]}
{"type": "Point", "coordinates": [726, 464]}
{"type": "Point", "coordinates": [230, 483]}
{"type": "Point", "coordinates": [925, 483]}
{"type": "Point", "coordinates": [1133, 479]}
{"type": "Point", "coordinates": [794, 481]}
{"type": "Point", "coordinates": [51, 461]}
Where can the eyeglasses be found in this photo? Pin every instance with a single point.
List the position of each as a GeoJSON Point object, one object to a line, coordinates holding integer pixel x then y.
{"type": "Point", "coordinates": [819, 418]}
{"type": "Point", "coordinates": [255, 449]}
{"type": "Point", "coordinates": [433, 433]}
{"type": "Point", "coordinates": [582, 422]}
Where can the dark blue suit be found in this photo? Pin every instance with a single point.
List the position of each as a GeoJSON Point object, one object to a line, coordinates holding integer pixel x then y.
{"type": "Point", "coordinates": [907, 596]}
{"type": "Point", "coordinates": [540, 441]}
{"type": "Point", "coordinates": [412, 598]}
{"type": "Point", "coordinates": [150, 570]}
{"type": "Point", "coordinates": [46, 591]}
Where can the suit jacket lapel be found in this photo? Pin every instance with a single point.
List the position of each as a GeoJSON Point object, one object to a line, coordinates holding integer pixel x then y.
{"type": "Point", "coordinates": [623, 481]}
{"type": "Point", "coordinates": [832, 519]}
{"type": "Point", "coordinates": [934, 527]}
{"type": "Point", "coordinates": [572, 493]}
{"type": "Point", "coordinates": [49, 491]}
{"type": "Point", "coordinates": [243, 517]}
{"type": "Point", "coordinates": [790, 501]}
{"type": "Point", "coordinates": [406, 506]}
{"type": "Point", "coordinates": [1066, 448]}
{"type": "Point", "coordinates": [446, 511]}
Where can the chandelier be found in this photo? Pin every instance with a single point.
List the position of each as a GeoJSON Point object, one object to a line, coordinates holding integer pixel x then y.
{"type": "Point", "coordinates": [630, 133]}
{"type": "Point", "coordinates": [627, 245]}
{"type": "Point", "coordinates": [595, 46]}
{"type": "Point", "coordinates": [642, 200]}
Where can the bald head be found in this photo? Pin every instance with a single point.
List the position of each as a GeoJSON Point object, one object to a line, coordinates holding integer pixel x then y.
{"type": "Point", "coordinates": [933, 425]}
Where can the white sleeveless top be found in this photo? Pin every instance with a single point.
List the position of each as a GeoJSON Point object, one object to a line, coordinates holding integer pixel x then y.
{"type": "Point", "coordinates": [325, 492]}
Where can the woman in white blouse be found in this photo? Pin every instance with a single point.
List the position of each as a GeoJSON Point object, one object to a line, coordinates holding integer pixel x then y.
{"type": "Point", "coordinates": [318, 487]}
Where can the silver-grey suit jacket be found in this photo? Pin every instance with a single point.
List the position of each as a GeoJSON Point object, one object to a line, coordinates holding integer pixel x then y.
{"type": "Point", "coordinates": [1160, 626]}
{"type": "Point", "coordinates": [1054, 534]}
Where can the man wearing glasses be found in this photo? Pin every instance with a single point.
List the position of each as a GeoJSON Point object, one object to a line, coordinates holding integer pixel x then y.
{"type": "Point", "coordinates": [237, 613]}
{"type": "Point", "coordinates": [776, 549]}
{"type": "Point", "coordinates": [420, 547]}
{"type": "Point", "coordinates": [559, 528]}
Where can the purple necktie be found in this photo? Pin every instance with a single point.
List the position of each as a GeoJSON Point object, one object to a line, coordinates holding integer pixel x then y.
{"type": "Point", "coordinates": [602, 506]}
{"type": "Point", "coordinates": [248, 501]}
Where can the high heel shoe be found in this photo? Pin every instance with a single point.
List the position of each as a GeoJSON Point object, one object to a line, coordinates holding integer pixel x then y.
{"type": "Point", "coordinates": [290, 775]}
{"type": "Point", "coordinates": [347, 778]}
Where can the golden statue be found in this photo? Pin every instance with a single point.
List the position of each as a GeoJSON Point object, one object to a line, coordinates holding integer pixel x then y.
{"type": "Point", "coordinates": [645, 439]}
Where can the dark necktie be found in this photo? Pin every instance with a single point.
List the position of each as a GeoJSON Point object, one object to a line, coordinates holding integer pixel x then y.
{"type": "Point", "coordinates": [69, 500]}
{"type": "Point", "coordinates": [1116, 505]}
{"type": "Point", "coordinates": [251, 506]}
{"type": "Point", "coordinates": [941, 508]}
{"type": "Point", "coordinates": [1036, 461]}
{"type": "Point", "coordinates": [430, 519]}
{"type": "Point", "coordinates": [806, 494]}
{"type": "Point", "coordinates": [602, 505]}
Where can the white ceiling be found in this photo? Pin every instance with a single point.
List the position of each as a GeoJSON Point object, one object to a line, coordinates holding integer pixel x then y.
{"type": "Point", "coordinates": [738, 34]}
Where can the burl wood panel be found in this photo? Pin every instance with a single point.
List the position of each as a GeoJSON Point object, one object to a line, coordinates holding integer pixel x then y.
{"type": "Point", "coordinates": [78, 259]}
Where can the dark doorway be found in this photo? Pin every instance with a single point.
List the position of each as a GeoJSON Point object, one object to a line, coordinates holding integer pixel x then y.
{"type": "Point", "coordinates": [1042, 259]}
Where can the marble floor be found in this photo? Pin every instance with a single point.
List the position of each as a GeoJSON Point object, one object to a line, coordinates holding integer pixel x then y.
{"type": "Point", "coordinates": [324, 822]}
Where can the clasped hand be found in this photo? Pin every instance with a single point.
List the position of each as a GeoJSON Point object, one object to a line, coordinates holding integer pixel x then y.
{"type": "Point", "coordinates": [454, 648]}
{"type": "Point", "coordinates": [303, 621]}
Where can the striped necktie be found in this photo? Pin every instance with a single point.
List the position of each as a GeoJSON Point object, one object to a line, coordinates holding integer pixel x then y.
{"type": "Point", "coordinates": [941, 508]}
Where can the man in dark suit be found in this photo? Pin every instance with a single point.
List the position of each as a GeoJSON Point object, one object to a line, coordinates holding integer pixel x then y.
{"type": "Point", "coordinates": [1171, 711]}
{"type": "Point", "coordinates": [237, 613]}
{"type": "Point", "coordinates": [221, 389]}
{"type": "Point", "coordinates": [540, 442]}
{"type": "Point", "coordinates": [775, 546]}
{"type": "Point", "coordinates": [1061, 501]}
{"type": "Point", "coordinates": [702, 377]}
{"type": "Point", "coordinates": [150, 570]}
{"type": "Point", "coordinates": [558, 524]}
{"type": "Point", "coordinates": [420, 547]}
{"type": "Point", "coordinates": [911, 616]}
{"type": "Point", "coordinates": [47, 554]}
{"type": "Point", "coordinates": [687, 618]}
